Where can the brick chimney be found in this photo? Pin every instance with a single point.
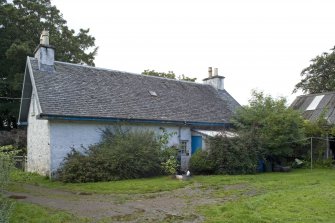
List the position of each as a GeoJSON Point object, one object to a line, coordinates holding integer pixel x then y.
{"type": "Point", "coordinates": [45, 53]}
{"type": "Point", "coordinates": [214, 79]}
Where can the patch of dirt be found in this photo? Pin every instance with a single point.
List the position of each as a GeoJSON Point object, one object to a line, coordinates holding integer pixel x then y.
{"type": "Point", "coordinates": [171, 206]}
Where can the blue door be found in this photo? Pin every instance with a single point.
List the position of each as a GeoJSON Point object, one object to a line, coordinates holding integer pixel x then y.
{"type": "Point", "coordinates": [196, 143]}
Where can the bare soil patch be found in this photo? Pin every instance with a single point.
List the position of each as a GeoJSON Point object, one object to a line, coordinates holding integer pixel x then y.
{"type": "Point", "coordinates": [172, 206]}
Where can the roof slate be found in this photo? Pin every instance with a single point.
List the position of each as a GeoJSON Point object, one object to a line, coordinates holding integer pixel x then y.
{"type": "Point", "coordinates": [83, 91]}
{"type": "Point", "coordinates": [326, 106]}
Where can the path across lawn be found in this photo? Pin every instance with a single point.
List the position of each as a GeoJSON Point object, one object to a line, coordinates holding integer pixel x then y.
{"type": "Point", "coordinates": [299, 196]}
{"type": "Point", "coordinates": [177, 205]}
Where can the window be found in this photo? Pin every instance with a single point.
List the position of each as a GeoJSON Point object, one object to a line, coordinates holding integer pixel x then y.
{"type": "Point", "coordinates": [314, 104]}
{"type": "Point", "coordinates": [153, 93]}
{"type": "Point", "coordinates": [183, 150]}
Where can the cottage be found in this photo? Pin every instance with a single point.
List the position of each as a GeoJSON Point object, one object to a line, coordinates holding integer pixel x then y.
{"type": "Point", "coordinates": [66, 105]}
{"type": "Point", "coordinates": [316, 106]}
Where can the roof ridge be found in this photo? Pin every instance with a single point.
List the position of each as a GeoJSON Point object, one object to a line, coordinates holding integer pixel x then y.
{"type": "Point", "coordinates": [127, 72]}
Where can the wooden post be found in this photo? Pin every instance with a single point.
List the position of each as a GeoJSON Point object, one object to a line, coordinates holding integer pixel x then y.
{"type": "Point", "coordinates": [311, 153]}
{"type": "Point", "coordinates": [327, 155]}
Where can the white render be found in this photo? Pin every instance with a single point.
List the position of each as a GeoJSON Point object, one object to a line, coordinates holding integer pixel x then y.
{"type": "Point", "coordinates": [65, 135]}
{"type": "Point", "coordinates": [215, 81]}
{"type": "Point", "coordinates": [38, 142]}
{"type": "Point", "coordinates": [49, 142]}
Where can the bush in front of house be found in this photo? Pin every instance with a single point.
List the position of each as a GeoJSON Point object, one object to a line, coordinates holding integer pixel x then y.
{"type": "Point", "coordinates": [119, 155]}
{"type": "Point", "coordinates": [237, 155]}
{"type": "Point", "coordinates": [170, 163]}
{"type": "Point", "coordinates": [201, 163]}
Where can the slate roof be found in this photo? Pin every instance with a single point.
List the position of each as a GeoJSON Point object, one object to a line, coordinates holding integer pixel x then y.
{"type": "Point", "coordinates": [83, 91]}
{"type": "Point", "coordinates": [326, 106]}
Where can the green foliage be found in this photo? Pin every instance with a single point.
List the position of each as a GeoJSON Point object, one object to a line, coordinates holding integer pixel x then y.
{"type": "Point", "coordinates": [15, 137]}
{"type": "Point", "coordinates": [6, 165]}
{"type": "Point", "coordinates": [201, 163]}
{"type": "Point", "coordinates": [170, 75]}
{"type": "Point", "coordinates": [168, 157]}
{"type": "Point", "coordinates": [319, 130]}
{"type": "Point", "coordinates": [319, 76]}
{"type": "Point", "coordinates": [324, 163]}
{"type": "Point", "coordinates": [6, 208]}
{"type": "Point", "coordinates": [238, 155]}
{"type": "Point", "coordinates": [21, 23]}
{"type": "Point", "coordinates": [163, 140]}
{"type": "Point", "coordinates": [119, 155]}
{"type": "Point", "coordinates": [170, 165]}
{"type": "Point", "coordinates": [271, 124]}
{"type": "Point", "coordinates": [168, 154]}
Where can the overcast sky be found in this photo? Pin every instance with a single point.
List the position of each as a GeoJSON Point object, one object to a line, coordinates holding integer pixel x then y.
{"type": "Point", "coordinates": [258, 44]}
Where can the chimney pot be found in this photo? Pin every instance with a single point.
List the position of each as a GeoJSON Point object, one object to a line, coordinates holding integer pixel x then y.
{"type": "Point", "coordinates": [214, 79]}
{"type": "Point", "coordinates": [210, 72]}
{"type": "Point", "coordinates": [216, 72]}
{"type": "Point", "coordinates": [44, 39]}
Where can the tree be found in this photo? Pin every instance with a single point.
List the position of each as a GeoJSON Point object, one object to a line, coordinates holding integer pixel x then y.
{"type": "Point", "coordinates": [21, 23]}
{"type": "Point", "coordinates": [271, 124]}
{"type": "Point", "coordinates": [169, 74]}
{"type": "Point", "coordinates": [320, 75]}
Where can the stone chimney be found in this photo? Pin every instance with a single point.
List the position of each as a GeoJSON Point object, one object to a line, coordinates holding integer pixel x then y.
{"type": "Point", "coordinates": [45, 53]}
{"type": "Point", "coordinates": [214, 79]}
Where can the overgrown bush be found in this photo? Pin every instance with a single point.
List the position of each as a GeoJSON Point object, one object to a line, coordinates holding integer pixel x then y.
{"type": "Point", "coordinates": [237, 155]}
{"type": "Point", "coordinates": [119, 155]}
{"type": "Point", "coordinates": [324, 163]}
{"type": "Point", "coordinates": [201, 163]}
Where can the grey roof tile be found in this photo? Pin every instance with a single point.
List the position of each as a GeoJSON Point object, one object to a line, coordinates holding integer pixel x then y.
{"type": "Point", "coordinates": [76, 90]}
{"type": "Point", "coordinates": [325, 107]}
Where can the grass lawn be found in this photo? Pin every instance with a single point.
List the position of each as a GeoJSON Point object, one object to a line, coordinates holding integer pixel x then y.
{"type": "Point", "coordinates": [137, 186]}
{"type": "Point", "coordinates": [24, 213]}
{"type": "Point", "coordinates": [298, 196]}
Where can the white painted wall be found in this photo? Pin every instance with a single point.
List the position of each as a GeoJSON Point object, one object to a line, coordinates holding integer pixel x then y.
{"type": "Point", "coordinates": [65, 135]}
{"type": "Point", "coordinates": [38, 144]}
{"type": "Point", "coordinates": [216, 81]}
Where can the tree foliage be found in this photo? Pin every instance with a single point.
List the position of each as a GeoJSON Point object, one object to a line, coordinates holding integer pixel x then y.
{"type": "Point", "coordinates": [271, 124]}
{"type": "Point", "coordinates": [237, 155]}
{"type": "Point", "coordinates": [169, 74]}
{"type": "Point", "coordinates": [319, 76]}
{"type": "Point", "coordinates": [21, 23]}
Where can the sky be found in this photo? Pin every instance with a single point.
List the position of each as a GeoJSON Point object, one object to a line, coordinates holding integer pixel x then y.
{"type": "Point", "coordinates": [256, 45]}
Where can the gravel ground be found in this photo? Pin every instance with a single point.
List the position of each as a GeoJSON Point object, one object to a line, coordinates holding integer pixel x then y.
{"type": "Point", "coordinates": [172, 206]}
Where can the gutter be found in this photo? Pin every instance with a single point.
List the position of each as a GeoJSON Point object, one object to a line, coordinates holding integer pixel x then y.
{"type": "Point", "coordinates": [118, 120]}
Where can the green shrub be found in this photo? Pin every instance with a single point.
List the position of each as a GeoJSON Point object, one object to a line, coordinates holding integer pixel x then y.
{"type": "Point", "coordinates": [15, 137]}
{"type": "Point", "coordinates": [324, 163]}
{"type": "Point", "coordinates": [236, 155]}
{"type": "Point", "coordinates": [169, 162]}
{"type": "Point", "coordinates": [201, 163]}
{"type": "Point", "coordinates": [119, 155]}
